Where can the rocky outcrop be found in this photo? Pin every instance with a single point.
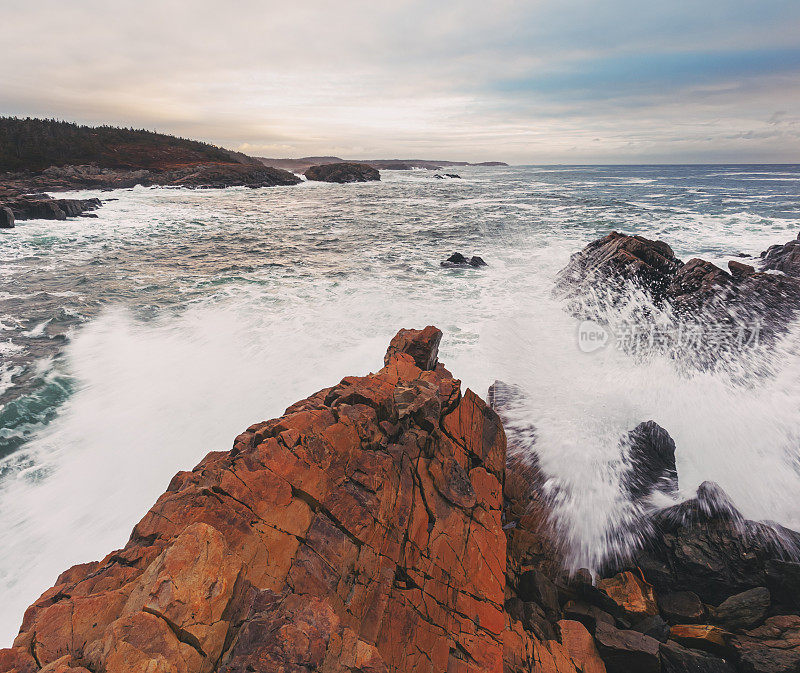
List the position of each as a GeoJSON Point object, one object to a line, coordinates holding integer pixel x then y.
{"type": "Point", "coordinates": [457, 261]}
{"type": "Point", "coordinates": [711, 304]}
{"type": "Point", "coordinates": [43, 207]}
{"type": "Point", "coordinates": [785, 258]}
{"type": "Point", "coordinates": [6, 218]}
{"type": "Point", "coordinates": [343, 172]}
{"type": "Point", "coordinates": [194, 175]}
{"type": "Point", "coordinates": [361, 531]}
{"type": "Point", "coordinates": [651, 461]}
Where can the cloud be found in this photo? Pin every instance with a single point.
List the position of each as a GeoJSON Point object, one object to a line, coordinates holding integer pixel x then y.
{"type": "Point", "coordinates": [546, 81]}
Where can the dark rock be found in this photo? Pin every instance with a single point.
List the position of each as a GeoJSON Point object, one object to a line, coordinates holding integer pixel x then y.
{"type": "Point", "coordinates": [588, 615]}
{"type": "Point", "coordinates": [455, 176]}
{"type": "Point", "coordinates": [343, 172]}
{"type": "Point", "coordinates": [744, 610]}
{"type": "Point", "coordinates": [738, 269]}
{"type": "Point", "coordinates": [678, 659]}
{"type": "Point", "coordinates": [653, 626]}
{"type": "Point", "coordinates": [88, 215]}
{"type": "Point", "coordinates": [626, 651]}
{"type": "Point", "coordinates": [6, 218]}
{"type": "Point", "coordinates": [783, 581]}
{"type": "Point", "coordinates": [682, 607]}
{"type": "Point", "coordinates": [535, 586]}
{"type": "Point", "coordinates": [457, 260]}
{"type": "Point", "coordinates": [771, 648]}
{"type": "Point", "coordinates": [617, 259]}
{"type": "Point", "coordinates": [704, 545]}
{"type": "Point", "coordinates": [536, 620]}
{"type": "Point", "coordinates": [651, 453]}
{"type": "Point", "coordinates": [785, 258]}
{"type": "Point", "coordinates": [42, 207]}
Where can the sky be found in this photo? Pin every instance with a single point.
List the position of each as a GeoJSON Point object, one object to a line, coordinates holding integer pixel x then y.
{"type": "Point", "coordinates": [538, 82]}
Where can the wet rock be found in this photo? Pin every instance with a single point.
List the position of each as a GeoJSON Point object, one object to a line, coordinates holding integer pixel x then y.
{"type": "Point", "coordinates": [626, 651]}
{"type": "Point", "coordinates": [653, 626]}
{"type": "Point", "coordinates": [616, 259]}
{"type": "Point", "coordinates": [705, 546]}
{"type": "Point", "coordinates": [771, 648]}
{"type": "Point", "coordinates": [739, 270]}
{"type": "Point", "coordinates": [744, 610]}
{"type": "Point", "coordinates": [343, 172]}
{"type": "Point", "coordinates": [785, 258]}
{"type": "Point", "coordinates": [457, 260]}
{"type": "Point", "coordinates": [682, 607]}
{"type": "Point", "coordinates": [651, 455]}
{"type": "Point", "coordinates": [706, 637]}
{"type": "Point", "coordinates": [634, 597]}
{"type": "Point", "coordinates": [678, 659]}
{"type": "Point", "coordinates": [42, 207]}
{"type": "Point", "coordinates": [6, 218]}
{"type": "Point", "coordinates": [326, 539]}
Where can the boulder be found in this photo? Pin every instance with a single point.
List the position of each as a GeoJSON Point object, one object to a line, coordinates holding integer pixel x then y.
{"type": "Point", "coordinates": [744, 610]}
{"type": "Point", "coordinates": [682, 607]}
{"type": "Point", "coordinates": [627, 651]}
{"type": "Point", "coordinates": [6, 218]}
{"type": "Point", "coordinates": [633, 596]}
{"type": "Point", "coordinates": [678, 659]}
{"type": "Point", "coordinates": [343, 172]}
{"type": "Point", "coordinates": [773, 647]}
{"type": "Point", "coordinates": [706, 637]}
{"type": "Point", "coordinates": [785, 258]}
{"type": "Point", "coordinates": [588, 615]}
{"type": "Point", "coordinates": [651, 461]}
{"type": "Point", "coordinates": [653, 626]}
{"type": "Point", "coordinates": [336, 537]}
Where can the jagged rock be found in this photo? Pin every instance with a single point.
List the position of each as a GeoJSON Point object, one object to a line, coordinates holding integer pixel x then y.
{"type": "Point", "coordinates": [653, 626]}
{"type": "Point", "coordinates": [321, 541]}
{"type": "Point", "coordinates": [6, 218]}
{"type": "Point", "coordinates": [618, 257]}
{"type": "Point", "coordinates": [682, 607]}
{"type": "Point", "coordinates": [651, 455]}
{"type": "Point", "coordinates": [633, 596]}
{"type": "Point", "coordinates": [706, 637]}
{"type": "Point", "coordinates": [678, 659]}
{"type": "Point", "coordinates": [421, 345]}
{"type": "Point", "coordinates": [771, 648]}
{"type": "Point", "coordinates": [785, 258]}
{"type": "Point", "coordinates": [343, 172]}
{"type": "Point", "coordinates": [744, 610]}
{"type": "Point", "coordinates": [457, 260]}
{"type": "Point", "coordinates": [745, 306]}
{"type": "Point", "coordinates": [533, 585]}
{"type": "Point", "coordinates": [704, 545]}
{"type": "Point", "coordinates": [626, 651]}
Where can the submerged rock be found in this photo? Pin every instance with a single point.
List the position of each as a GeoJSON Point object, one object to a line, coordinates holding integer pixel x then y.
{"type": "Point", "coordinates": [457, 260]}
{"type": "Point", "coordinates": [343, 172]}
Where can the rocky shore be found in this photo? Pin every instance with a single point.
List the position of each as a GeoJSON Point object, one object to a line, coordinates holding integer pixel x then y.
{"type": "Point", "coordinates": [394, 522]}
{"type": "Point", "coordinates": [387, 524]}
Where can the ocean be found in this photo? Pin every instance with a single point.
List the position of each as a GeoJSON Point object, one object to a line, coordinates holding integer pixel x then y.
{"type": "Point", "coordinates": [133, 344]}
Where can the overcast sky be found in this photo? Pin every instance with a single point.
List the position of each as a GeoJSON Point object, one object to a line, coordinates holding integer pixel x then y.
{"type": "Point", "coordinates": [549, 81]}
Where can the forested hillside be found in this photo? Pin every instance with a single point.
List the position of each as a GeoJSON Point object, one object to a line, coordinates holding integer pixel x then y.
{"type": "Point", "coordinates": [36, 144]}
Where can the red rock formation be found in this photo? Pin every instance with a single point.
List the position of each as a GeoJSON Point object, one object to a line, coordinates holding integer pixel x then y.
{"type": "Point", "coordinates": [361, 531]}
